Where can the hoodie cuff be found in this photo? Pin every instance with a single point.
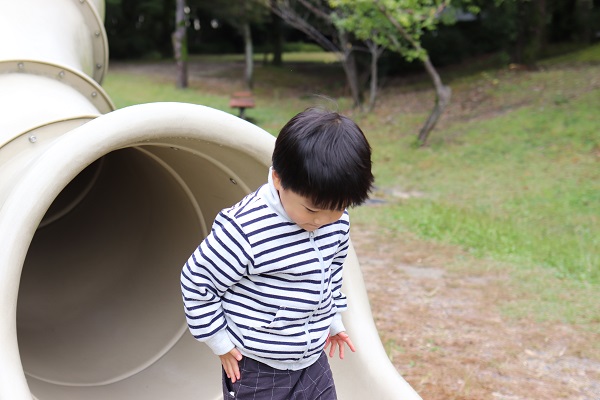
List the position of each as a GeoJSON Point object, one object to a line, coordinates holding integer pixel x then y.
{"type": "Point", "coordinates": [337, 325]}
{"type": "Point", "coordinates": [220, 343]}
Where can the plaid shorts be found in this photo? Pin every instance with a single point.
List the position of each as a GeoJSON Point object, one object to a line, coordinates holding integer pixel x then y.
{"type": "Point", "coordinates": [261, 382]}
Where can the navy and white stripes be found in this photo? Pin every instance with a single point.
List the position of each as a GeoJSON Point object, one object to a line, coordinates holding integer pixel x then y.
{"type": "Point", "coordinates": [261, 283]}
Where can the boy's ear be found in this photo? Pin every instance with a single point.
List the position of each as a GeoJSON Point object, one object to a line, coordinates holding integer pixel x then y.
{"type": "Point", "coordinates": [276, 180]}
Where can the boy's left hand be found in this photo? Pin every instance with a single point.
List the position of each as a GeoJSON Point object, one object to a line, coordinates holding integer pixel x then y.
{"type": "Point", "coordinates": [339, 340]}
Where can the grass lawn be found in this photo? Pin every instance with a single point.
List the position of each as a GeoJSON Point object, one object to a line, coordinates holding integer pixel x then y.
{"type": "Point", "coordinates": [511, 174]}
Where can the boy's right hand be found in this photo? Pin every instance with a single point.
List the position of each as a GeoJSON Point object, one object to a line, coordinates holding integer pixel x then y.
{"type": "Point", "coordinates": [230, 364]}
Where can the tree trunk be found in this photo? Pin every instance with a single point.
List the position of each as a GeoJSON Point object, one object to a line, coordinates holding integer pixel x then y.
{"type": "Point", "coordinates": [442, 99]}
{"type": "Point", "coordinates": [343, 50]}
{"type": "Point", "coordinates": [277, 39]}
{"type": "Point", "coordinates": [249, 52]}
{"type": "Point", "coordinates": [539, 29]}
{"type": "Point", "coordinates": [531, 31]}
{"type": "Point", "coordinates": [374, 83]}
{"type": "Point", "coordinates": [442, 92]}
{"type": "Point", "coordinates": [179, 39]}
{"type": "Point", "coordinates": [583, 17]}
{"type": "Point", "coordinates": [349, 66]}
{"type": "Point", "coordinates": [375, 52]}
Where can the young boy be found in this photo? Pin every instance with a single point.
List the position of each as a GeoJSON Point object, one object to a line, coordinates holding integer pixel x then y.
{"type": "Point", "coordinates": [263, 290]}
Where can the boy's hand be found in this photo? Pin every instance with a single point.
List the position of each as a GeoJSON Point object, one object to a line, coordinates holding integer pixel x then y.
{"type": "Point", "coordinates": [339, 340]}
{"type": "Point", "coordinates": [230, 364]}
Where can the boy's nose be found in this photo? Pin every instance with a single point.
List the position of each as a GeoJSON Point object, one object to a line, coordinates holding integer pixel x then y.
{"type": "Point", "coordinates": [323, 219]}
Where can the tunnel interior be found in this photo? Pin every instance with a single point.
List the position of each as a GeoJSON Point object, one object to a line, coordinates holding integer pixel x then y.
{"type": "Point", "coordinates": [99, 308]}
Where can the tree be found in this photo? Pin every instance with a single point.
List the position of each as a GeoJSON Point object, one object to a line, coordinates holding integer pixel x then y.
{"type": "Point", "coordinates": [375, 51]}
{"type": "Point", "coordinates": [583, 16]}
{"type": "Point", "coordinates": [531, 26]}
{"type": "Point", "coordinates": [345, 18]}
{"type": "Point", "coordinates": [398, 25]}
{"type": "Point", "coordinates": [277, 37]}
{"type": "Point", "coordinates": [240, 15]}
{"type": "Point", "coordinates": [140, 28]}
{"type": "Point", "coordinates": [180, 44]}
{"type": "Point", "coordinates": [314, 19]}
{"type": "Point", "coordinates": [531, 31]}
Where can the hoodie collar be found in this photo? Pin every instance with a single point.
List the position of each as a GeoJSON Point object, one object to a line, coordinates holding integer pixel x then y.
{"type": "Point", "coordinates": [271, 196]}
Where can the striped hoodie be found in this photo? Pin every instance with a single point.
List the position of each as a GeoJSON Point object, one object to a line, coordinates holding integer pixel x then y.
{"type": "Point", "coordinates": [261, 283]}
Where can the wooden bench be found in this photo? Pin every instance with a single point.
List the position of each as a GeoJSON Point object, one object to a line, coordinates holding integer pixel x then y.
{"type": "Point", "coordinates": [242, 100]}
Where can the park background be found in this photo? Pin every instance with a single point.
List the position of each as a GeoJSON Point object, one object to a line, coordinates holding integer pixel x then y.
{"type": "Point", "coordinates": [480, 245]}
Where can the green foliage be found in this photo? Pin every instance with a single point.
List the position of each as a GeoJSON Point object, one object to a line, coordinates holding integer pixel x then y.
{"type": "Point", "coordinates": [544, 297]}
{"type": "Point", "coordinates": [366, 21]}
{"type": "Point", "coordinates": [302, 47]}
{"type": "Point", "coordinates": [398, 25]}
{"type": "Point", "coordinates": [585, 55]}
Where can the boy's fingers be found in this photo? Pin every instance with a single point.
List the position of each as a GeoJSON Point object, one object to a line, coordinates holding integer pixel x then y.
{"type": "Point", "coordinates": [236, 354]}
{"type": "Point", "coordinates": [346, 339]}
{"type": "Point", "coordinates": [350, 344]}
{"type": "Point", "coordinates": [339, 340]}
{"type": "Point", "coordinates": [234, 373]}
{"type": "Point", "coordinates": [230, 364]}
{"type": "Point", "coordinates": [236, 370]}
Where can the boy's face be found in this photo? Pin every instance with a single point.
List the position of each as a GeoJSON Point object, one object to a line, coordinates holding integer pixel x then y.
{"type": "Point", "coordinates": [301, 209]}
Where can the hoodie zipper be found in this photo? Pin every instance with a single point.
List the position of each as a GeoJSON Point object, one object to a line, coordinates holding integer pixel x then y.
{"type": "Point", "coordinates": [311, 237]}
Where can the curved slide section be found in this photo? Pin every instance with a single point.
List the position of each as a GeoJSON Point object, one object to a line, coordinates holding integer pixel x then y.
{"type": "Point", "coordinates": [99, 209]}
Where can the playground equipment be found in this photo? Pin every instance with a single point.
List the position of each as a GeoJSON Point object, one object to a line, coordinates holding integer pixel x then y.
{"type": "Point", "coordinates": [99, 209]}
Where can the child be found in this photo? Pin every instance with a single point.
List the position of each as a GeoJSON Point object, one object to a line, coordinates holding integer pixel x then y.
{"type": "Point", "coordinates": [263, 290]}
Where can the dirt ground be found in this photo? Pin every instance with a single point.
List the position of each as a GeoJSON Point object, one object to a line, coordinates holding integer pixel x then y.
{"type": "Point", "coordinates": [444, 328]}
{"type": "Point", "coordinates": [447, 336]}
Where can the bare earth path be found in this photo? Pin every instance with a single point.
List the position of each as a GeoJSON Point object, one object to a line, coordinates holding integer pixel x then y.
{"type": "Point", "coordinates": [447, 336]}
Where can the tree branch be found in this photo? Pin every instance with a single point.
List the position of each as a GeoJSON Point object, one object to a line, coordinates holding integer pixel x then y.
{"type": "Point", "coordinates": [286, 13]}
{"type": "Point", "coordinates": [316, 11]}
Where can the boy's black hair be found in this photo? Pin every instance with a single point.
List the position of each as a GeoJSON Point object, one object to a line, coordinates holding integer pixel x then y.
{"type": "Point", "coordinates": [325, 157]}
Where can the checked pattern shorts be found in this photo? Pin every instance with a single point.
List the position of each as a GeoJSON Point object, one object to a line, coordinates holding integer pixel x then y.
{"type": "Point", "coordinates": [261, 382]}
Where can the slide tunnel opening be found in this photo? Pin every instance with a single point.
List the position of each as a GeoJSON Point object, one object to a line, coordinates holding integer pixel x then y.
{"type": "Point", "coordinates": [99, 298]}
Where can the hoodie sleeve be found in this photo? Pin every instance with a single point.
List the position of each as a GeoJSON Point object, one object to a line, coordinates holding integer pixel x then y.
{"type": "Point", "coordinates": [218, 263]}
